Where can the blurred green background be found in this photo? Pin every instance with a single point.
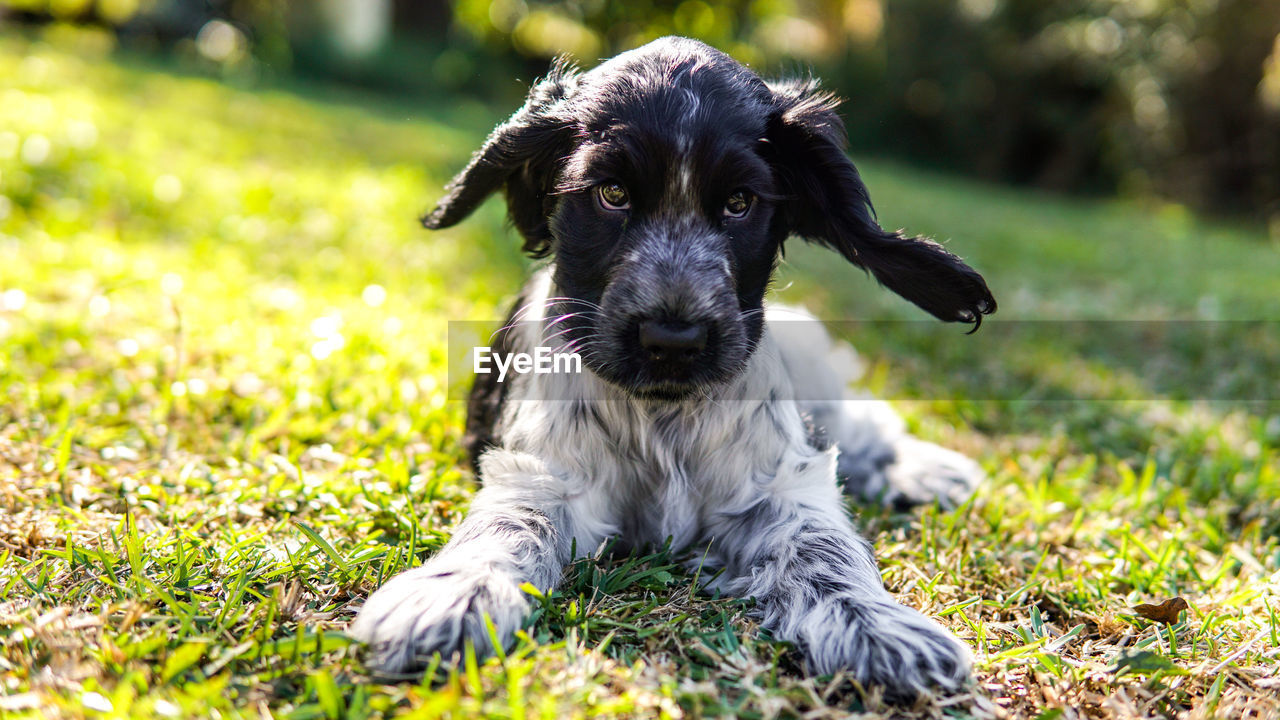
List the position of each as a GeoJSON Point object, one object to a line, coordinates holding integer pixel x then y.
{"type": "Point", "coordinates": [1170, 99]}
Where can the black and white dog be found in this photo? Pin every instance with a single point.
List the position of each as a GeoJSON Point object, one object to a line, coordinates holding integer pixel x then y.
{"type": "Point", "coordinates": [663, 183]}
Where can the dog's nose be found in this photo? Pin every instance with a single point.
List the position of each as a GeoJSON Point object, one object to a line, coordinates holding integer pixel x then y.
{"type": "Point", "coordinates": [672, 341]}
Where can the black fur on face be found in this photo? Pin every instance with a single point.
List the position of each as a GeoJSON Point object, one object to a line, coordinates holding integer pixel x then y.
{"type": "Point", "coordinates": [665, 182]}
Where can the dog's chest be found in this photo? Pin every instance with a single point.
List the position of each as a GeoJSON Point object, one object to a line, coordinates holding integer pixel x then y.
{"type": "Point", "coordinates": [669, 470]}
{"type": "Point", "coordinates": [661, 471]}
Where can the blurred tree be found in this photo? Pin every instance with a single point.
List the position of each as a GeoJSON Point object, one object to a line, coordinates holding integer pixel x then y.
{"type": "Point", "coordinates": [1179, 98]}
{"type": "Point", "coordinates": [1146, 96]}
{"type": "Point", "coordinates": [1162, 96]}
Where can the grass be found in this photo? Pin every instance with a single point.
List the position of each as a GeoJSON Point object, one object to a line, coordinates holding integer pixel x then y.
{"type": "Point", "coordinates": [224, 421]}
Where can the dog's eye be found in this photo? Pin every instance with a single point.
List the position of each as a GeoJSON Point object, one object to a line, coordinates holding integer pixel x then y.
{"type": "Point", "coordinates": [738, 204]}
{"type": "Point", "coordinates": [613, 196]}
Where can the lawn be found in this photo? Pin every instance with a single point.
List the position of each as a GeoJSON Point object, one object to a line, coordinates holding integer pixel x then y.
{"type": "Point", "coordinates": [224, 420]}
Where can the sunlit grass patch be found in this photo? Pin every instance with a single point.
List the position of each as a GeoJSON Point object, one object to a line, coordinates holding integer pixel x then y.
{"type": "Point", "coordinates": [223, 421]}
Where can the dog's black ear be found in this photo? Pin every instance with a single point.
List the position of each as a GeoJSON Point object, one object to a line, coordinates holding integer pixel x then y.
{"type": "Point", "coordinates": [521, 155]}
{"type": "Point", "coordinates": [828, 204]}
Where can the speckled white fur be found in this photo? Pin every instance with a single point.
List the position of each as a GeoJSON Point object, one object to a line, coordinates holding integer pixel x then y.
{"type": "Point", "coordinates": [580, 461]}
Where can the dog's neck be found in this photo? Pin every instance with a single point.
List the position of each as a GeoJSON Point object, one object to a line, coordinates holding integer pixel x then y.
{"type": "Point", "coordinates": [575, 405]}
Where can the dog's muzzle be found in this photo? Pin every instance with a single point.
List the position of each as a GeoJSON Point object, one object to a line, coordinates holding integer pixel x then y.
{"type": "Point", "coordinates": [674, 313]}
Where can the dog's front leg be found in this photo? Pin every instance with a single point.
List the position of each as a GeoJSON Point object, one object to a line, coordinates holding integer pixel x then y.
{"type": "Point", "coordinates": [794, 549]}
{"type": "Point", "coordinates": [522, 527]}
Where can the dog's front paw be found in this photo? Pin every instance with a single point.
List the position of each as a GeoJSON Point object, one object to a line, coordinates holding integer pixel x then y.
{"type": "Point", "coordinates": [437, 609]}
{"type": "Point", "coordinates": [921, 472]}
{"type": "Point", "coordinates": [883, 644]}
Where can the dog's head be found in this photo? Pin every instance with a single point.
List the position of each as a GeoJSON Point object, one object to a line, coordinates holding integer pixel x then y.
{"type": "Point", "coordinates": [665, 181]}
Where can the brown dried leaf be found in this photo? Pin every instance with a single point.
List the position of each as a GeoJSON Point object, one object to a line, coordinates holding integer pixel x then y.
{"type": "Point", "coordinates": [1166, 612]}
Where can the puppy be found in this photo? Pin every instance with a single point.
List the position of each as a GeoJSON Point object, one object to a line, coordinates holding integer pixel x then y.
{"type": "Point", "coordinates": [663, 184]}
